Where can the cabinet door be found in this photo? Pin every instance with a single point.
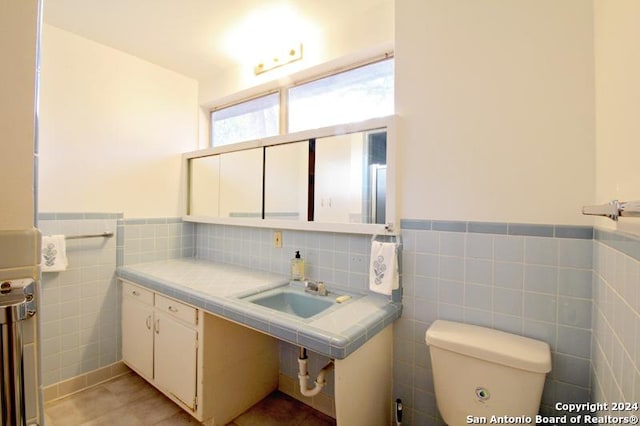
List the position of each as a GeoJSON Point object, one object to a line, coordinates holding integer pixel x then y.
{"type": "Point", "coordinates": [175, 357]}
{"type": "Point", "coordinates": [137, 336]}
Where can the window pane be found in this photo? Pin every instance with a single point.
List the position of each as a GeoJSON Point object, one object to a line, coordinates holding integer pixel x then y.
{"type": "Point", "coordinates": [350, 96]}
{"type": "Point", "coordinates": [254, 119]}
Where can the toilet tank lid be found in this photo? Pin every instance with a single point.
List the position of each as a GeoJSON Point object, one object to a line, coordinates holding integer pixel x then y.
{"type": "Point", "coordinates": [491, 345]}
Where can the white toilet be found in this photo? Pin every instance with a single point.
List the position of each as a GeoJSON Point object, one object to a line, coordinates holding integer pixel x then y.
{"type": "Point", "coordinates": [481, 372]}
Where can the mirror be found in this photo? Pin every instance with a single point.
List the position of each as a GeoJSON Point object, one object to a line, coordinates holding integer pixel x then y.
{"type": "Point", "coordinates": [204, 184]}
{"type": "Point", "coordinates": [350, 178]}
{"type": "Point", "coordinates": [241, 183]}
{"type": "Point", "coordinates": [226, 185]}
{"type": "Point", "coordinates": [316, 179]}
{"type": "Point", "coordinates": [286, 181]}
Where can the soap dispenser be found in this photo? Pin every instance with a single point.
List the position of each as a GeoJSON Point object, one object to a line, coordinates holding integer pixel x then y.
{"type": "Point", "coordinates": [297, 267]}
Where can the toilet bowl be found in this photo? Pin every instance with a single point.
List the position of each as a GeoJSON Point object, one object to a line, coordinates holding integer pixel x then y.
{"type": "Point", "coordinates": [480, 372]}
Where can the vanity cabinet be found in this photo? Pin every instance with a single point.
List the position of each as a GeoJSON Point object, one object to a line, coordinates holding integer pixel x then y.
{"type": "Point", "coordinates": [213, 368]}
{"type": "Point", "coordinates": [159, 334]}
{"type": "Point", "coordinates": [137, 329]}
{"type": "Point", "coordinates": [175, 349]}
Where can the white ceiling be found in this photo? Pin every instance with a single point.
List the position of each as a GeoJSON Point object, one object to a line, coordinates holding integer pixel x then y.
{"type": "Point", "coordinates": [187, 36]}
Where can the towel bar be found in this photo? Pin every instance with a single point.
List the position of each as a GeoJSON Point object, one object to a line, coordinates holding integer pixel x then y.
{"type": "Point", "coordinates": [614, 209]}
{"type": "Point", "coordinates": [103, 235]}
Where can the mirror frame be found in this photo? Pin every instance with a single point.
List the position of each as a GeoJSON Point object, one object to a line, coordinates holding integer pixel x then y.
{"type": "Point", "coordinates": [389, 123]}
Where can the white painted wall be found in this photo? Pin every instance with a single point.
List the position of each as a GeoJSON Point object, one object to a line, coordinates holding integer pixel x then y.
{"type": "Point", "coordinates": [371, 28]}
{"type": "Point", "coordinates": [112, 128]}
{"type": "Point", "coordinates": [617, 67]}
{"type": "Point", "coordinates": [18, 32]}
{"type": "Point", "coordinates": [496, 100]}
{"type": "Point", "coordinates": [497, 106]}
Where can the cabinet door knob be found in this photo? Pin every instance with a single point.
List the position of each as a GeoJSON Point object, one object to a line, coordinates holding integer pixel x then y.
{"type": "Point", "coordinates": [172, 309]}
{"type": "Point", "coordinates": [135, 293]}
{"type": "Point", "coordinates": [149, 322]}
{"type": "Point", "coordinates": [157, 326]}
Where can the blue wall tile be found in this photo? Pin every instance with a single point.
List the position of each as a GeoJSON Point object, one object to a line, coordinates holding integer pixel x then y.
{"type": "Point", "coordinates": [450, 226]}
{"type": "Point", "coordinates": [79, 316]}
{"type": "Point", "coordinates": [541, 286]}
{"type": "Point", "coordinates": [541, 279]}
{"type": "Point", "coordinates": [425, 287]}
{"type": "Point", "coordinates": [427, 265]}
{"type": "Point", "coordinates": [545, 331]}
{"type": "Point", "coordinates": [508, 323]}
{"type": "Point", "coordinates": [451, 292]}
{"type": "Point", "coordinates": [575, 253]}
{"type": "Point", "coordinates": [452, 244]}
{"type": "Point", "coordinates": [571, 370]}
{"type": "Point", "coordinates": [541, 251]}
{"type": "Point", "coordinates": [508, 302]}
{"type": "Point", "coordinates": [480, 246]}
{"type": "Point", "coordinates": [508, 275]}
{"type": "Point", "coordinates": [531, 230]}
{"type": "Point", "coordinates": [575, 282]}
{"type": "Point", "coordinates": [427, 242]}
{"type": "Point", "coordinates": [541, 307]}
{"type": "Point", "coordinates": [492, 274]}
{"type": "Point", "coordinates": [574, 312]}
{"type": "Point", "coordinates": [579, 232]}
{"type": "Point", "coordinates": [479, 317]}
{"type": "Point", "coordinates": [510, 249]}
{"type": "Point", "coordinates": [487, 228]}
{"type": "Point", "coordinates": [450, 312]}
{"type": "Point", "coordinates": [574, 341]}
{"type": "Point", "coordinates": [478, 271]}
{"type": "Point", "coordinates": [451, 268]}
{"type": "Point", "coordinates": [478, 296]}
{"type": "Point", "coordinates": [415, 224]}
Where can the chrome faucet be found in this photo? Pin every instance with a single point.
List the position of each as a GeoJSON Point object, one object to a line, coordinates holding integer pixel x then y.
{"type": "Point", "coordinates": [318, 288]}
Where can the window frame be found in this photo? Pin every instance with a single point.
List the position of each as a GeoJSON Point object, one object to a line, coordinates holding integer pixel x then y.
{"type": "Point", "coordinates": [283, 90]}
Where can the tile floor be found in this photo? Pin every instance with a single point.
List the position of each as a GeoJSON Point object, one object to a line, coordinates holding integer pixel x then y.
{"type": "Point", "coordinates": [130, 401]}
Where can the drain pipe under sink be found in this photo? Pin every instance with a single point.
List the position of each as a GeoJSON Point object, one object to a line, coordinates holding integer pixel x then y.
{"type": "Point", "coordinates": [303, 375]}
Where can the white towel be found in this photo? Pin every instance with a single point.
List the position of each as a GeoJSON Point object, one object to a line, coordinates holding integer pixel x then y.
{"type": "Point", "coordinates": [383, 273]}
{"type": "Point", "coordinates": [54, 254]}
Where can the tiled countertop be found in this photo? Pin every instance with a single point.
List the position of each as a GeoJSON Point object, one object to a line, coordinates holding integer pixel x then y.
{"type": "Point", "coordinates": [216, 288]}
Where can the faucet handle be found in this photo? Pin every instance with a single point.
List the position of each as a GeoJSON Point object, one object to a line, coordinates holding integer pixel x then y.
{"type": "Point", "coordinates": [322, 288]}
{"type": "Point", "coordinates": [310, 286]}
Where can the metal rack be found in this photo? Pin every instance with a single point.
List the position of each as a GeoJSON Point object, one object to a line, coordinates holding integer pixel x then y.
{"type": "Point", "coordinates": [614, 209]}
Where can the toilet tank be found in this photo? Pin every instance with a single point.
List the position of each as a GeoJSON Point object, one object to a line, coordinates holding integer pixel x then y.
{"type": "Point", "coordinates": [480, 372]}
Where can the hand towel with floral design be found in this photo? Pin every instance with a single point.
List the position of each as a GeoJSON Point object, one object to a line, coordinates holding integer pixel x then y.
{"type": "Point", "coordinates": [54, 254]}
{"type": "Point", "coordinates": [383, 273]}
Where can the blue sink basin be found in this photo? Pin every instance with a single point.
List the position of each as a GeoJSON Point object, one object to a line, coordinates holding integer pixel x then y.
{"type": "Point", "coordinates": [292, 302]}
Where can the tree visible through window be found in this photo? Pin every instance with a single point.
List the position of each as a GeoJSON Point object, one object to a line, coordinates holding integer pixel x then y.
{"type": "Point", "coordinates": [350, 96]}
{"type": "Point", "coordinates": [249, 120]}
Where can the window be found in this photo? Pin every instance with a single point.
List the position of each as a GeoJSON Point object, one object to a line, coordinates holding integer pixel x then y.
{"type": "Point", "coordinates": [350, 96]}
{"type": "Point", "coordinates": [249, 120]}
{"type": "Point", "coordinates": [354, 95]}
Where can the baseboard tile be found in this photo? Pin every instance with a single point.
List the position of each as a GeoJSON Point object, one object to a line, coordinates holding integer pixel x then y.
{"type": "Point", "coordinates": [84, 381]}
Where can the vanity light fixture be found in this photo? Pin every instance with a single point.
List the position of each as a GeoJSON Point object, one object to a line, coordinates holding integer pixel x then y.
{"type": "Point", "coordinates": [284, 57]}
